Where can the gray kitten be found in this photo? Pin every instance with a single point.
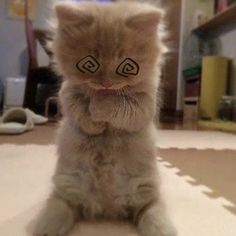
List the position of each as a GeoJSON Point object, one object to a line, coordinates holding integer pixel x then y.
{"type": "Point", "coordinates": [109, 55]}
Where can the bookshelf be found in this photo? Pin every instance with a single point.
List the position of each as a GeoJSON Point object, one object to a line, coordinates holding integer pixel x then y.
{"type": "Point", "coordinates": [221, 19]}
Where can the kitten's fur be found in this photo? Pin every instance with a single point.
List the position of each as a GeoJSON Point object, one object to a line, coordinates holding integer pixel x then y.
{"type": "Point", "coordinates": [107, 157]}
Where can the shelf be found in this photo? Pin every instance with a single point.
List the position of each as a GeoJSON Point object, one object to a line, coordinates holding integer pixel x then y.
{"type": "Point", "coordinates": [226, 126]}
{"type": "Point", "coordinates": [221, 19]}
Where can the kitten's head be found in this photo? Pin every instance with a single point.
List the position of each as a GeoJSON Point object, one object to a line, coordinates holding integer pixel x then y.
{"type": "Point", "coordinates": [107, 46]}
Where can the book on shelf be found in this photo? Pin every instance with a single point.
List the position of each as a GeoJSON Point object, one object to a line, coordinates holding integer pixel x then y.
{"type": "Point", "coordinates": [192, 72]}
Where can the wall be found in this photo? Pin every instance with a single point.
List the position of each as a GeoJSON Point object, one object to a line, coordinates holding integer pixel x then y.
{"type": "Point", "coordinates": [12, 45]}
{"type": "Point", "coordinates": [43, 13]}
{"type": "Point", "coordinates": [228, 49]}
{"type": "Point", "coordinates": [13, 54]}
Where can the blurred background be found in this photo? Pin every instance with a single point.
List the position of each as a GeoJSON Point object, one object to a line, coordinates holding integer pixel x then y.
{"type": "Point", "coordinates": [196, 140]}
{"type": "Point", "coordinates": [198, 78]}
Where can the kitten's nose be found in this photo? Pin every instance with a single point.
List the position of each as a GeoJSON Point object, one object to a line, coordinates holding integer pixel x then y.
{"type": "Point", "coordinates": [106, 83]}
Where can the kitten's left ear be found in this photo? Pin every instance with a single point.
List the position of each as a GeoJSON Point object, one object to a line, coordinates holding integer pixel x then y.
{"type": "Point", "coordinates": [146, 21]}
{"type": "Point", "coordinates": [69, 13]}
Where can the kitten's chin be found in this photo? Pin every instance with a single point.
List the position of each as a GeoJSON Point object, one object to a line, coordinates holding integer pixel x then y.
{"type": "Point", "coordinates": [113, 88]}
{"type": "Point", "coordinates": [106, 92]}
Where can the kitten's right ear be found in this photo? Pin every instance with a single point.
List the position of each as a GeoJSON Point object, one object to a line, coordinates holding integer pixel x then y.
{"type": "Point", "coordinates": [146, 21]}
{"type": "Point", "coordinates": [72, 13]}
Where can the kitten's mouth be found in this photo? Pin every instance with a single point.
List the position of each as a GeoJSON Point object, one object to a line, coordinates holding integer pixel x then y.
{"type": "Point", "coordinates": [106, 91]}
{"type": "Point", "coordinates": [101, 90]}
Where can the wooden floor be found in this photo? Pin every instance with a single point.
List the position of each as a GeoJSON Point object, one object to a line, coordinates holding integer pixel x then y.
{"type": "Point", "coordinates": [40, 135]}
{"type": "Point", "coordinates": [45, 134]}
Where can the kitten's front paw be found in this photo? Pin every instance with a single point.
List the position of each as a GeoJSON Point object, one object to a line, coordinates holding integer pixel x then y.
{"type": "Point", "coordinates": [96, 128]}
{"type": "Point", "coordinates": [102, 108]}
{"type": "Point", "coordinates": [55, 220]}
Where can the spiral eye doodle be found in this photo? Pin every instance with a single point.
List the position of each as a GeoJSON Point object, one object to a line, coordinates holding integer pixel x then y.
{"type": "Point", "coordinates": [88, 64]}
{"type": "Point", "coordinates": [128, 67]}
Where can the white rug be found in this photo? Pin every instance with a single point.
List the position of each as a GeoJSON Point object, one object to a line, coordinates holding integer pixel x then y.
{"type": "Point", "coordinates": [25, 182]}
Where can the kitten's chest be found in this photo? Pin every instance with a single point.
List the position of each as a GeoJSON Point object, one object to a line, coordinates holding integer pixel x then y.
{"type": "Point", "coordinates": [107, 183]}
{"type": "Point", "coordinates": [107, 166]}
{"type": "Point", "coordinates": [102, 169]}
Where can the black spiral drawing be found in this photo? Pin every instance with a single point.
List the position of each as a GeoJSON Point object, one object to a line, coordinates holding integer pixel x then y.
{"type": "Point", "coordinates": [127, 68]}
{"type": "Point", "coordinates": [88, 64]}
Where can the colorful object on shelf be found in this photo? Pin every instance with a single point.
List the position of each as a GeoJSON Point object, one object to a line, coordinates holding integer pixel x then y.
{"type": "Point", "coordinates": [227, 109]}
{"type": "Point", "coordinates": [16, 8]}
{"type": "Point", "coordinates": [192, 87]}
{"type": "Point", "coordinates": [221, 5]}
{"type": "Point", "coordinates": [213, 85]}
{"type": "Point", "coordinates": [192, 72]}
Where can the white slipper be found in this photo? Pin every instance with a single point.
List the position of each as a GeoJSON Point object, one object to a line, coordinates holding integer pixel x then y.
{"type": "Point", "coordinates": [37, 119]}
{"type": "Point", "coordinates": [16, 121]}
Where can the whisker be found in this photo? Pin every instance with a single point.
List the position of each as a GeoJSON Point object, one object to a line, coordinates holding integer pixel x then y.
{"type": "Point", "coordinates": [132, 100]}
{"type": "Point", "coordinates": [118, 108]}
{"type": "Point", "coordinates": [123, 98]}
{"type": "Point", "coordinates": [126, 104]}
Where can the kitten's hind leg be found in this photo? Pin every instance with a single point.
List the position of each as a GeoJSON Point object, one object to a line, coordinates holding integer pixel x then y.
{"type": "Point", "coordinates": [153, 221]}
{"type": "Point", "coordinates": [56, 219]}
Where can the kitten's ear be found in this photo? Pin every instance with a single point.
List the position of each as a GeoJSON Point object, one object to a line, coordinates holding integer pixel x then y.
{"type": "Point", "coordinates": [146, 21]}
{"type": "Point", "coordinates": [72, 13]}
